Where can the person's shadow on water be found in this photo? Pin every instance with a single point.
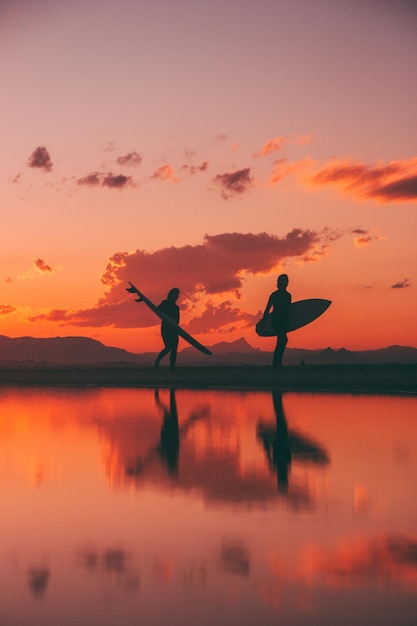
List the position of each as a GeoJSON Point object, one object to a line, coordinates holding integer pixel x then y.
{"type": "Point", "coordinates": [282, 445]}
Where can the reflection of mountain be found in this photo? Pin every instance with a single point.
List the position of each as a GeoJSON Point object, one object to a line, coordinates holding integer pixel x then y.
{"type": "Point", "coordinates": [85, 350]}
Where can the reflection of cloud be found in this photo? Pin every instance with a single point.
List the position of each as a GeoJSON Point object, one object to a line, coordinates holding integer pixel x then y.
{"type": "Point", "coordinates": [234, 559]}
{"type": "Point", "coordinates": [234, 183]}
{"type": "Point", "coordinates": [385, 559]}
{"type": "Point", "coordinates": [110, 562]}
{"type": "Point", "coordinates": [401, 284]}
{"type": "Point", "coordinates": [38, 580]}
{"type": "Point", "coordinates": [40, 159]}
{"type": "Point", "coordinates": [216, 266]}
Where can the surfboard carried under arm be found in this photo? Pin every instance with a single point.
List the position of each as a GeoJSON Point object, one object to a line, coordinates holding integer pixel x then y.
{"type": "Point", "coordinates": [301, 313]}
{"type": "Point", "coordinates": [165, 318]}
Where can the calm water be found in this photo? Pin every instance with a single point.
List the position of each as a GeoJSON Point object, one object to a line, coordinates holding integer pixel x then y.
{"type": "Point", "coordinates": [128, 507]}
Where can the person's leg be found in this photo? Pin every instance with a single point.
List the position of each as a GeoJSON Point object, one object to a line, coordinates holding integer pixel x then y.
{"type": "Point", "coordinates": [173, 355]}
{"type": "Point", "coordinates": [282, 341]}
{"type": "Point", "coordinates": [160, 356]}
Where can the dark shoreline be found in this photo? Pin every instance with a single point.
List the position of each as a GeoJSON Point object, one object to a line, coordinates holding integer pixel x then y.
{"type": "Point", "coordinates": [379, 379]}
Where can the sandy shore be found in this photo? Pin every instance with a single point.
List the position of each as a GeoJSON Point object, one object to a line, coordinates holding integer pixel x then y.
{"type": "Point", "coordinates": [387, 378]}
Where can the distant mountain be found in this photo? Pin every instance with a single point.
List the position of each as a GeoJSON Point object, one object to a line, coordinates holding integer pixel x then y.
{"type": "Point", "coordinates": [83, 350]}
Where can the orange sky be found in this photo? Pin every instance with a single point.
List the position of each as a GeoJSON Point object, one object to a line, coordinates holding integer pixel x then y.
{"type": "Point", "coordinates": [172, 147]}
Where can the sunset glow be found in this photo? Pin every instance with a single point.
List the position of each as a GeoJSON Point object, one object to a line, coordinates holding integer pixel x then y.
{"type": "Point", "coordinates": [172, 144]}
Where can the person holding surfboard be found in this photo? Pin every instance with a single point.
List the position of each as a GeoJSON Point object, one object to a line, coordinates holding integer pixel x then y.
{"type": "Point", "coordinates": [280, 302]}
{"type": "Point", "coordinates": [168, 332]}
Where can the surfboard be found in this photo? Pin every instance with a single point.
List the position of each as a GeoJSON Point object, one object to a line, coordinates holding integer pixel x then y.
{"type": "Point", "coordinates": [182, 333]}
{"type": "Point", "coordinates": [302, 313]}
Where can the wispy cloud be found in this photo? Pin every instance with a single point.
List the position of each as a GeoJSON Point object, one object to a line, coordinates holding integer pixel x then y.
{"type": "Point", "coordinates": [40, 159]}
{"type": "Point", "coordinates": [132, 159]}
{"type": "Point", "coordinates": [39, 268]}
{"type": "Point", "coordinates": [271, 147]}
{"type": "Point", "coordinates": [194, 169]}
{"type": "Point", "coordinates": [402, 284]}
{"type": "Point", "coordinates": [113, 181]}
{"type": "Point", "coordinates": [393, 182]}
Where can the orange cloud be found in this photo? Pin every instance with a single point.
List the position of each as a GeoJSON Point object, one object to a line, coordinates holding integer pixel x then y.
{"type": "Point", "coordinates": [42, 266]}
{"type": "Point", "coordinates": [282, 169]}
{"type": "Point", "coordinates": [396, 181]}
{"type": "Point", "coordinates": [215, 317]}
{"type": "Point", "coordinates": [216, 266]}
{"type": "Point", "coordinates": [165, 172]}
{"type": "Point", "coordinates": [40, 159]}
{"type": "Point", "coordinates": [5, 309]}
{"type": "Point", "coordinates": [271, 146]}
{"type": "Point", "coordinates": [234, 183]}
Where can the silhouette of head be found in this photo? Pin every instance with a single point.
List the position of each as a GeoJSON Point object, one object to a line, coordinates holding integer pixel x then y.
{"type": "Point", "coordinates": [173, 294]}
{"type": "Point", "coordinates": [282, 281]}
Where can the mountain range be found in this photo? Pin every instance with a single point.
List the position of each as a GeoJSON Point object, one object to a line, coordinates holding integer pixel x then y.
{"type": "Point", "coordinates": [83, 350]}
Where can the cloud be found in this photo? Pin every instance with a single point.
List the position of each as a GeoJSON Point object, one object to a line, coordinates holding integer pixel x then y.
{"type": "Point", "coordinates": [364, 237]}
{"type": "Point", "coordinates": [113, 181]}
{"type": "Point", "coordinates": [91, 180]}
{"type": "Point", "coordinates": [165, 172]}
{"type": "Point", "coordinates": [402, 284]}
{"type": "Point", "coordinates": [216, 266]}
{"type": "Point", "coordinates": [40, 159]}
{"type": "Point", "coordinates": [194, 169]}
{"type": "Point", "coordinates": [395, 181]}
{"type": "Point", "coordinates": [5, 309]}
{"type": "Point", "coordinates": [282, 169]}
{"type": "Point", "coordinates": [234, 183]}
{"type": "Point", "coordinates": [131, 159]}
{"type": "Point", "coordinates": [271, 146]}
{"type": "Point", "coordinates": [40, 268]}
{"type": "Point", "coordinates": [217, 316]}
{"type": "Point", "coordinates": [8, 280]}
{"type": "Point", "coordinates": [117, 181]}
{"type": "Point", "coordinates": [41, 265]}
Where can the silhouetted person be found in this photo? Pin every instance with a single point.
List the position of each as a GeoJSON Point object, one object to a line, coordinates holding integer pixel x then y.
{"type": "Point", "coordinates": [280, 302]}
{"type": "Point", "coordinates": [170, 433]}
{"type": "Point", "coordinates": [169, 334]}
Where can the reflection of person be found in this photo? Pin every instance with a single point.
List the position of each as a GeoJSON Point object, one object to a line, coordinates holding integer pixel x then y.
{"type": "Point", "coordinates": [170, 434]}
{"type": "Point", "coordinates": [280, 302]}
{"type": "Point", "coordinates": [276, 443]}
{"type": "Point", "coordinates": [169, 334]}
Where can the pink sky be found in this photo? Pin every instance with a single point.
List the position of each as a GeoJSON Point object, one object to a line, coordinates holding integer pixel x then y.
{"type": "Point", "coordinates": [208, 146]}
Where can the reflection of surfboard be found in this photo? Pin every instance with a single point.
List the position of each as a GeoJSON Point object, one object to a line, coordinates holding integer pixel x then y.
{"type": "Point", "coordinates": [142, 298]}
{"type": "Point", "coordinates": [301, 313]}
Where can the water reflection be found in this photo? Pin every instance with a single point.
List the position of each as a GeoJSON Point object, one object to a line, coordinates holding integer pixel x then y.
{"type": "Point", "coordinates": [206, 507]}
{"type": "Point", "coordinates": [282, 445]}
